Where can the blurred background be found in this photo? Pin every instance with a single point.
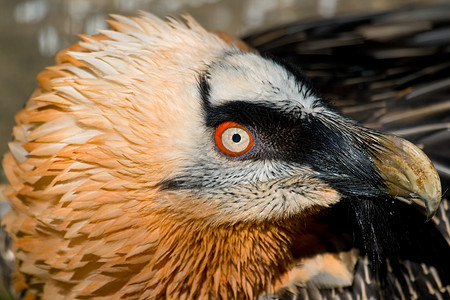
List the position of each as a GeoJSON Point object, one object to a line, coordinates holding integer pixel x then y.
{"type": "Point", "coordinates": [31, 31]}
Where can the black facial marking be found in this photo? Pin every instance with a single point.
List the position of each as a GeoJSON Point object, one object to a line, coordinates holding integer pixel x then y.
{"type": "Point", "coordinates": [303, 141]}
{"type": "Point", "coordinates": [276, 132]}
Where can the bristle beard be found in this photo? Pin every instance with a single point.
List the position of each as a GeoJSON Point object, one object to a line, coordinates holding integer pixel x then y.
{"type": "Point", "coordinates": [374, 228]}
{"type": "Point", "coordinates": [390, 232]}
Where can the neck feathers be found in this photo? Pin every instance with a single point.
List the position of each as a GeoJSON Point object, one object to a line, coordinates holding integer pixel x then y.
{"type": "Point", "coordinates": [239, 261]}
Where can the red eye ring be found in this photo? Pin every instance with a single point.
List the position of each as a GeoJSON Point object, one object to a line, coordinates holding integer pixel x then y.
{"type": "Point", "coordinates": [233, 139]}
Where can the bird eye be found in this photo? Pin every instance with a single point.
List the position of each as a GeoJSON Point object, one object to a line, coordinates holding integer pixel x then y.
{"type": "Point", "coordinates": [233, 139]}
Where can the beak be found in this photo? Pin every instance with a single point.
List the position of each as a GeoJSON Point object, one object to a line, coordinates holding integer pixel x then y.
{"type": "Point", "coordinates": [408, 172]}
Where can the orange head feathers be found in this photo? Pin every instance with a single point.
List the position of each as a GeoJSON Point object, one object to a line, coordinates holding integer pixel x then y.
{"type": "Point", "coordinates": [159, 160]}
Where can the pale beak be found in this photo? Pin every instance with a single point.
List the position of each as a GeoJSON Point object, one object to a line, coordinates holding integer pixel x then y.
{"type": "Point", "coordinates": [408, 172]}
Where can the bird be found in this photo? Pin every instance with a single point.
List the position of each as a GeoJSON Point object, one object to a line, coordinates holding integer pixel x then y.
{"type": "Point", "coordinates": [159, 160]}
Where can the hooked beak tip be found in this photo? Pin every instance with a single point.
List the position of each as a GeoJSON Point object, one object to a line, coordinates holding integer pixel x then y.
{"type": "Point", "coordinates": [407, 171]}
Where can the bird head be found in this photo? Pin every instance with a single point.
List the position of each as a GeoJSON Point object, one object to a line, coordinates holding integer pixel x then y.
{"type": "Point", "coordinates": [227, 135]}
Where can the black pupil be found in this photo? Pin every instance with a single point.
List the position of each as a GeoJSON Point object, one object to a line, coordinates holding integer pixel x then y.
{"type": "Point", "coordinates": [236, 138]}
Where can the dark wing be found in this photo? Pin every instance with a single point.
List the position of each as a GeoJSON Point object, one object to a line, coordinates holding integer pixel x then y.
{"type": "Point", "coordinates": [389, 71]}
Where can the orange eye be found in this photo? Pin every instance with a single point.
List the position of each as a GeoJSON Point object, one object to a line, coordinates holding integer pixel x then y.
{"type": "Point", "coordinates": [233, 139]}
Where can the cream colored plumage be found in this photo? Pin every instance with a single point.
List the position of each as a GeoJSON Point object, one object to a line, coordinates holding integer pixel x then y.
{"type": "Point", "coordinates": [119, 116]}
